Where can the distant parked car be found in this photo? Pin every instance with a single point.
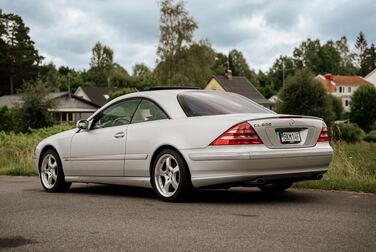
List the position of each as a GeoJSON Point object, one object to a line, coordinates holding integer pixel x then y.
{"type": "Point", "coordinates": [177, 140]}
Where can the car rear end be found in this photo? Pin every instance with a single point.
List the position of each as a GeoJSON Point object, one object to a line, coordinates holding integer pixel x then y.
{"type": "Point", "coordinates": [260, 148]}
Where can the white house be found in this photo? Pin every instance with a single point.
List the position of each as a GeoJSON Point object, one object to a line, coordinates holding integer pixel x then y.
{"type": "Point", "coordinates": [68, 107]}
{"type": "Point", "coordinates": [341, 86]}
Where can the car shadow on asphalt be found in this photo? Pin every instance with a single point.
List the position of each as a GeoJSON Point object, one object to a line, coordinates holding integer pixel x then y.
{"type": "Point", "coordinates": [233, 195]}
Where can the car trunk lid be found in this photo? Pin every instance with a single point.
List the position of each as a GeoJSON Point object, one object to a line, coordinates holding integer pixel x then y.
{"type": "Point", "coordinates": [286, 131]}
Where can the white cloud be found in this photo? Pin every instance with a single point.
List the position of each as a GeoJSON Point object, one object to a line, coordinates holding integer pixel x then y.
{"type": "Point", "coordinates": [65, 31]}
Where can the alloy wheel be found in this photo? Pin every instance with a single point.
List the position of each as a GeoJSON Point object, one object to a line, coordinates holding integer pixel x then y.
{"type": "Point", "coordinates": [167, 175]}
{"type": "Point", "coordinates": [49, 171]}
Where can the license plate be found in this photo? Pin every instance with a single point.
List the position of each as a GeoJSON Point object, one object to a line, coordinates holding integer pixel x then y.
{"type": "Point", "coordinates": [289, 137]}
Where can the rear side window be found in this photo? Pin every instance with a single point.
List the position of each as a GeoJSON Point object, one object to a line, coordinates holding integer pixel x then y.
{"type": "Point", "coordinates": [148, 111]}
{"type": "Point", "coordinates": [204, 103]}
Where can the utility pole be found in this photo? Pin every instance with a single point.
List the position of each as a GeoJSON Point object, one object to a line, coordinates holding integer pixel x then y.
{"type": "Point", "coordinates": [283, 72]}
{"type": "Point", "coordinates": [69, 90]}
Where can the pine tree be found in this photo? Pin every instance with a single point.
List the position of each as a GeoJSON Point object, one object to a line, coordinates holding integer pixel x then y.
{"type": "Point", "coordinates": [361, 46]}
{"type": "Point", "coordinates": [18, 57]}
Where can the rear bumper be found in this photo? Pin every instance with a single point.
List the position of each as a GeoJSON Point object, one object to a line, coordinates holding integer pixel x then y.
{"type": "Point", "coordinates": [213, 165]}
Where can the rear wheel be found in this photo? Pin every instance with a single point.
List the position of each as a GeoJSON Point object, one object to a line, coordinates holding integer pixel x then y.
{"type": "Point", "coordinates": [275, 187]}
{"type": "Point", "coordinates": [51, 173]}
{"type": "Point", "coordinates": [170, 176]}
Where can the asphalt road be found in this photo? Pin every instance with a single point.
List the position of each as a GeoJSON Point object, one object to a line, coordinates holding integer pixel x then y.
{"type": "Point", "coordinates": [115, 218]}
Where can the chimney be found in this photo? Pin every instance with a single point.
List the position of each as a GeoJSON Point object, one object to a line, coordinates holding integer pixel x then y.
{"type": "Point", "coordinates": [228, 74]}
{"type": "Point", "coordinates": [329, 76]}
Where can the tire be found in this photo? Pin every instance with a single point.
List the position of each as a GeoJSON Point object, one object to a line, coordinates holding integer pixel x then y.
{"type": "Point", "coordinates": [275, 187]}
{"type": "Point", "coordinates": [170, 176]}
{"type": "Point", "coordinates": [51, 173]}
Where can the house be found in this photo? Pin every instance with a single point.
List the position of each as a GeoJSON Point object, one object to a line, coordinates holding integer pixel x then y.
{"type": "Point", "coordinates": [371, 77]}
{"type": "Point", "coordinates": [68, 107]}
{"type": "Point", "coordinates": [97, 95]}
{"type": "Point", "coordinates": [341, 86]}
{"type": "Point", "coordinates": [274, 99]}
{"type": "Point", "coordinates": [240, 85]}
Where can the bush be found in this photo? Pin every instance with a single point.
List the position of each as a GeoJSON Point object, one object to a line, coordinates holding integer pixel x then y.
{"type": "Point", "coordinates": [302, 96]}
{"type": "Point", "coordinates": [363, 107]}
{"type": "Point", "coordinates": [5, 119]}
{"type": "Point", "coordinates": [336, 106]}
{"type": "Point", "coordinates": [370, 137]}
{"type": "Point", "coordinates": [348, 132]}
{"type": "Point", "coordinates": [34, 114]}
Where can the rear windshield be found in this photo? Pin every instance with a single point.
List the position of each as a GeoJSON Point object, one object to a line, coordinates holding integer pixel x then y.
{"type": "Point", "coordinates": [203, 103]}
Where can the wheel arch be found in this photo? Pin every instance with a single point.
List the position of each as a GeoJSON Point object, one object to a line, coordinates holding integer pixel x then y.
{"type": "Point", "coordinates": [164, 147]}
{"type": "Point", "coordinates": [44, 150]}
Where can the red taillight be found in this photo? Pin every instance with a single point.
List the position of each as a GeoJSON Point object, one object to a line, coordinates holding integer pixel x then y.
{"type": "Point", "coordinates": [242, 133]}
{"type": "Point", "coordinates": [324, 135]}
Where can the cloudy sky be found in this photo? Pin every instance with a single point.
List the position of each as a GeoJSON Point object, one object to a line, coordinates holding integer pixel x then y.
{"type": "Point", "coordinates": [64, 31]}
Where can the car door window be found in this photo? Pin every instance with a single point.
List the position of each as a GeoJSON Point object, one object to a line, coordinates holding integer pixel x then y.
{"type": "Point", "coordinates": [148, 111]}
{"type": "Point", "coordinates": [118, 114]}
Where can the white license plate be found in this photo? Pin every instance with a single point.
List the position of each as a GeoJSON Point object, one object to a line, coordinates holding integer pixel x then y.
{"type": "Point", "coordinates": [289, 137]}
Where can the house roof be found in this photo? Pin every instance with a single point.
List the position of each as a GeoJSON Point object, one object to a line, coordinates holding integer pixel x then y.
{"type": "Point", "coordinates": [97, 94]}
{"type": "Point", "coordinates": [344, 80]}
{"type": "Point", "coordinates": [242, 86]}
{"type": "Point", "coordinates": [12, 100]}
{"type": "Point", "coordinates": [349, 80]}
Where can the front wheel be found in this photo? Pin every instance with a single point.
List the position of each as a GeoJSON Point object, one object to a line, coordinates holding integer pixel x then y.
{"type": "Point", "coordinates": [275, 187]}
{"type": "Point", "coordinates": [51, 173]}
{"type": "Point", "coordinates": [170, 176]}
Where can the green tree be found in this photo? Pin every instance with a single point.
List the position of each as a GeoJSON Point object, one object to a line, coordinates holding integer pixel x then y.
{"type": "Point", "coordinates": [363, 107]}
{"type": "Point", "coordinates": [283, 67]}
{"type": "Point", "coordinates": [264, 85]}
{"type": "Point", "coordinates": [119, 76]}
{"type": "Point", "coordinates": [337, 107]}
{"type": "Point", "coordinates": [307, 54]}
{"type": "Point", "coordinates": [370, 59]}
{"type": "Point", "coordinates": [318, 58]}
{"type": "Point", "coordinates": [361, 46]}
{"type": "Point", "coordinates": [50, 75]}
{"type": "Point", "coordinates": [239, 66]}
{"type": "Point", "coordinates": [101, 65]}
{"type": "Point", "coordinates": [176, 31]}
{"type": "Point", "coordinates": [34, 112]}
{"type": "Point", "coordinates": [143, 77]}
{"type": "Point", "coordinates": [193, 66]}
{"type": "Point", "coordinates": [303, 96]}
{"type": "Point", "coordinates": [346, 66]}
{"type": "Point", "coordinates": [18, 57]}
{"type": "Point", "coordinates": [69, 79]}
{"type": "Point", "coordinates": [6, 119]}
{"type": "Point", "coordinates": [220, 64]}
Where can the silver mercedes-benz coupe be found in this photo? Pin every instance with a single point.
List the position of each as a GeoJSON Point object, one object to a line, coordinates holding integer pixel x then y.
{"type": "Point", "coordinates": [180, 139]}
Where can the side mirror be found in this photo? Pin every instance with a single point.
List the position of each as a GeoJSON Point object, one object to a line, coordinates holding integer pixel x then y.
{"type": "Point", "coordinates": [83, 124]}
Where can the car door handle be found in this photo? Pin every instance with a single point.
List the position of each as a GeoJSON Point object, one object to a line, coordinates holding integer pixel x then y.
{"type": "Point", "coordinates": [119, 135]}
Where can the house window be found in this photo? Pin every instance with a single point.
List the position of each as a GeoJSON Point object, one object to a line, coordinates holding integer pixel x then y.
{"type": "Point", "coordinates": [346, 103]}
{"type": "Point", "coordinates": [349, 89]}
{"type": "Point", "coordinates": [340, 89]}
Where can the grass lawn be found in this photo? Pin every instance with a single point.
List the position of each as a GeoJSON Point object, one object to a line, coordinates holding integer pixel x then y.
{"type": "Point", "coordinates": [353, 167]}
{"type": "Point", "coordinates": [17, 150]}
